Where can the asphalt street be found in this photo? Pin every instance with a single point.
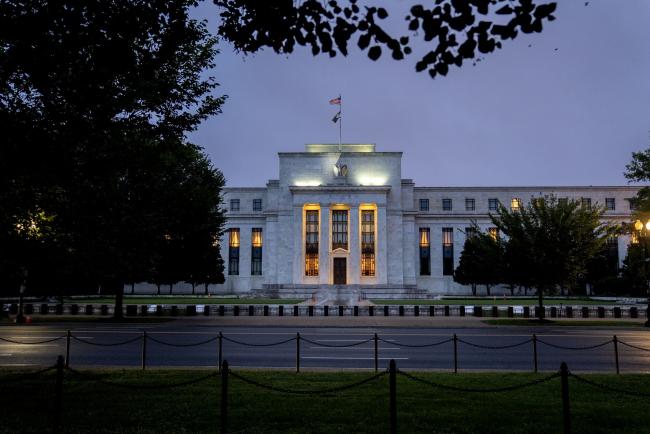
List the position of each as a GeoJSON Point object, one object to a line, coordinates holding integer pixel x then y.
{"type": "Point", "coordinates": [326, 347]}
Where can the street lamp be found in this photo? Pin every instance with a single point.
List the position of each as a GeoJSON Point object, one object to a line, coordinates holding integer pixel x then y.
{"type": "Point", "coordinates": [643, 230]}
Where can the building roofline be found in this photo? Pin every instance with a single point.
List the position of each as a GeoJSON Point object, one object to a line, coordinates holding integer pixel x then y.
{"type": "Point", "coordinates": [533, 188]}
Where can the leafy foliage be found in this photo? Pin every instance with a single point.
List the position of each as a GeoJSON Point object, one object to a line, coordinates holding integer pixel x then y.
{"type": "Point", "coordinates": [552, 241]}
{"type": "Point", "coordinates": [459, 30]}
{"type": "Point", "coordinates": [481, 261]}
{"type": "Point", "coordinates": [95, 101]}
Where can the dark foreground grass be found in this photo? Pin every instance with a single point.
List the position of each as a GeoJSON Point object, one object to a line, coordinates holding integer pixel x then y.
{"type": "Point", "coordinates": [92, 407]}
{"type": "Point", "coordinates": [563, 323]}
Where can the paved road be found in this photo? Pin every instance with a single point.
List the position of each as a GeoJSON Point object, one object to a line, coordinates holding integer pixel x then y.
{"type": "Point", "coordinates": [396, 344]}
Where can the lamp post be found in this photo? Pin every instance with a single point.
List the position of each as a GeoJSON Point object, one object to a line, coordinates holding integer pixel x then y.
{"type": "Point", "coordinates": [20, 318]}
{"type": "Point", "coordinates": [643, 230]}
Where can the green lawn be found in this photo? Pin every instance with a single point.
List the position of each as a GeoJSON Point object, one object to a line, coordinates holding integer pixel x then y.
{"type": "Point", "coordinates": [498, 301]}
{"type": "Point", "coordinates": [179, 299]}
{"type": "Point", "coordinates": [90, 407]}
{"type": "Point", "coordinates": [563, 323]}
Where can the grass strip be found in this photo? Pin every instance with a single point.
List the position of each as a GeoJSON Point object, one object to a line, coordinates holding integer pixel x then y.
{"type": "Point", "coordinates": [494, 302]}
{"type": "Point", "coordinates": [562, 323]}
{"type": "Point", "coordinates": [91, 407]}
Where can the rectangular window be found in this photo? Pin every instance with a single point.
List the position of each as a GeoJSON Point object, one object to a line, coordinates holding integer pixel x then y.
{"type": "Point", "coordinates": [612, 254]}
{"type": "Point", "coordinates": [257, 204]}
{"type": "Point", "coordinates": [515, 204]}
{"type": "Point", "coordinates": [585, 202]}
{"type": "Point", "coordinates": [446, 204]}
{"type": "Point", "coordinates": [367, 243]}
{"type": "Point", "coordinates": [425, 252]}
{"type": "Point", "coordinates": [256, 253]}
{"type": "Point", "coordinates": [340, 229]}
{"type": "Point", "coordinates": [493, 204]}
{"type": "Point", "coordinates": [610, 204]}
{"type": "Point", "coordinates": [234, 204]}
{"type": "Point", "coordinates": [470, 204]}
{"type": "Point", "coordinates": [494, 233]}
{"type": "Point", "coordinates": [233, 252]}
{"type": "Point", "coordinates": [470, 232]}
{"type": "Point", "coordinates": [424, 204]}
{"type": "Point", "coordinates": [447, 251]}
{"type": "Point", "coordinates": [631, 203]}
{"type": "Point", "coordinates": [311, 243]}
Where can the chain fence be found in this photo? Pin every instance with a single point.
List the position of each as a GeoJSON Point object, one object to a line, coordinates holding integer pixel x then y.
{"type": "Point", "coordinates": [144, 338]}
{"type": "Point", "coordinates": [223, 375]}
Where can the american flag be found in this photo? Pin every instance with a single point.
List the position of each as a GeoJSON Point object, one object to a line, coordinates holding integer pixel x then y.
{"type": "Point", "coordinates": [336, 100]}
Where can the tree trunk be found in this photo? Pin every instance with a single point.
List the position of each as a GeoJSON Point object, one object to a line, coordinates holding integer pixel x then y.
{"type": "Point", "coordinates": [473, 289]}
{"type": "Point", "coordinates": [132, 288]}
{"type": "Point", "coordinates": [171, 287]}
{"type": "Point", "coordinates": [206, 289]}
{"type": "Point", "coordinates": [512, 290]}
{"type": "Point", "coordinates": [487, 288]}
{"type": "Point", "coordinates": [540, 300]}
{"type": "Point", "coordinates": [193, 287]}
{"type": "Point", "coordinates": [117, 288]}
{"type": "Point", "coordinates": [158, 286]}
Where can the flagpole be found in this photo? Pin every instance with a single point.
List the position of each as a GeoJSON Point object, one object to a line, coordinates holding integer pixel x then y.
{"type": "Point", "coordinates": [340, 119]}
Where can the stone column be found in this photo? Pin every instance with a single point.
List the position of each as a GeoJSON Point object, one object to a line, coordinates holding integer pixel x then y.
{"type": "Point", "coordinates": [297, 256]}
{"type": "Point", "coordinates": [324, 245]}
{"type": "Point", "coordinates": [354, 244]}
{"type": "Point", "coordinates": [381, 247]}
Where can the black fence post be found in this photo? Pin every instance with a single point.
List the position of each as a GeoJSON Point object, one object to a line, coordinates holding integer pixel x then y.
{"type": "Point", "coordinates": [455, 354]}
{"type": "Point", "coordinates": [376, 353]}
{"type": "Point", "coordinates": [566, 410]}
{"type": "Point", "coordinates": [618, 371]}
{"type": "Point", "coordinates": [67, 349]}
{"type": "Point", "coordinates": [535, 352]}
{"type": "Point", "coordinates": [58, 394]}
{"type": "Point", "coordinates": [223, 422]}
{"type": "Point", "coordinates": [392, 370]}
{"type": "Point", "coordinates": [144, 350]}
{"type": "Point", "coordinates": [297, 353]}
{"type": "Point", "coordinates": [220, 349]}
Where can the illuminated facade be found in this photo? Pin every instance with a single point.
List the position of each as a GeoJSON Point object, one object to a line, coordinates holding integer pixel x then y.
{"type": "Point", "coordinates": [347, 220]}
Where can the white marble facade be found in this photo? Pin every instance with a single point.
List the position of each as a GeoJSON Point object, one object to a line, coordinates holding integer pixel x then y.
{"type": "Point", "coordinates": [359, 183]}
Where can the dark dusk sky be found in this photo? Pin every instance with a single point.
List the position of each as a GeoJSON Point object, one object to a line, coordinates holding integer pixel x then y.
{"type": "Point", "coordinates": [567, 110]}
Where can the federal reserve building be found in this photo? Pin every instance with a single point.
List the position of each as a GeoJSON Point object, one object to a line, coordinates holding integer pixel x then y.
{"type": "Point", "coordinates": [343, 219]}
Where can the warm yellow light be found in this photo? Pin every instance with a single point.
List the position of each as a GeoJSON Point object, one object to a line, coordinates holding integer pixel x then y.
{"type": "Point", "coordinates": [424, 238]}
{"type": "Point", "coordinates": [234, 238]}
{"type": "Point", "coordinates": [638, 225]}
{"type": "Point", "coordinates": [647, 225]}
{"type": "Point", "coordinates": [515, 204]}
{"type": "Point", "coordinates": [494, 233]}
{"type": "Point", "coordinates": [257, 238]}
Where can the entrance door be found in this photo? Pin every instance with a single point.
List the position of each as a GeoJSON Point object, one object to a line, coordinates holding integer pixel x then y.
{"type": "Point", "coordinates": [340, 271]}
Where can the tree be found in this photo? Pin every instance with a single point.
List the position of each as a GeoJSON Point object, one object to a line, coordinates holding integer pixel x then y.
{"type": "Point", "coordinates": [97, 98]}
{"type": "Point", "coordinates": [460, 30]}
{"type": "Point", "coordinates": [481, 261]}
{"type": "Point", "coordinates": [553, 242]}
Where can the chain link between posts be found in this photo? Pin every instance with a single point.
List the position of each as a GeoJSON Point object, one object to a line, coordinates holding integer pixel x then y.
{"type": "Point", "coordinates": [257, 345]}
{"type": "Point", "coordinates": [495, 347]}
{"type": "Point", "coordinates": [588, 347]}
{"type": "Point", "coordinates": [97, 379]}
{"type": "Point", "coordinates": [170, 344]}
{"type": "Point", "coordinates": [307, 392]}
{"type": "Point", "coordinates": [474, 390]}
{"type": "Point", "coordinates": [11, 341]}
{"type": "Point", "coordinates": [335, 346]}
{"type": "Point", "coordinates": [99, 344]}
{"type": "Point", "coordinates": [401, 344]}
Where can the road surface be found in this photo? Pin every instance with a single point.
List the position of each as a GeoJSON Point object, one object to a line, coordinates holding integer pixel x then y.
{"type": "Point", "coordinates": [400, 344]}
